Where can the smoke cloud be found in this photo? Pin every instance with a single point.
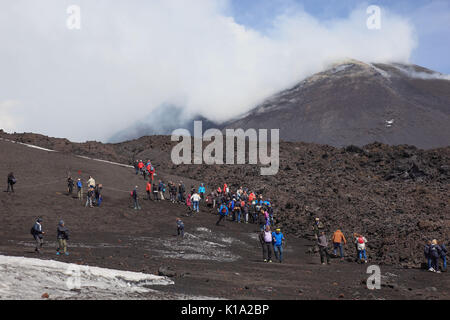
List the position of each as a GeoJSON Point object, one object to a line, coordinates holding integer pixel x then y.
{"type": "Point", "coordinates": [133, 57]}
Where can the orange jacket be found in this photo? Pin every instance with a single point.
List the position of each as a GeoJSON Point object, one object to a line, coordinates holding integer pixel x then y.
{"type": "Point", "coordinates": [149, 187]}
{"type": "Point", "coordinates": [338, 237]}
{"type": "Point", "coordinates": [251, 197]}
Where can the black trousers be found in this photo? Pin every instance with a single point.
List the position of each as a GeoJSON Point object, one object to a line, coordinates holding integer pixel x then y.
{"type": "Point", "coordinates": [220, 219]}
{"type": "Point", "coordinates": [324, 254]}
{"type": "Point", "coordinates": [267, 250]}
{"type": "Point", "coordinates": [10, 186]}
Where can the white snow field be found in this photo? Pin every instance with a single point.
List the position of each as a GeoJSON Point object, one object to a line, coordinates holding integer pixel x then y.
{"type": "Point", "coordinates": [28, 279]}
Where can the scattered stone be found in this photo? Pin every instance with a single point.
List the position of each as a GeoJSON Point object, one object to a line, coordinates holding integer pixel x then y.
{"type": "Point", "coordinates": [166, 272]}
{"type": "Point", "coordinates": [45, 296]}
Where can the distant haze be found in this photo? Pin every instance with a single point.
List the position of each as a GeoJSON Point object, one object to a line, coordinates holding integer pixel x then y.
{"type": "Point", "coordinates": [133, 57]}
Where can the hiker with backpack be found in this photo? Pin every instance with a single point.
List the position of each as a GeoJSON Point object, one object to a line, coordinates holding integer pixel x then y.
{"type": "Point", "coordinates": [322, 242]}
{"type": "Point", "coordinates": [98, 194]}
{"type": "Point", "coordinates": [195, 198]}
{"type": "Point", "coordinates": [202, 191]}
{"type": "Point", "coordinates": [266, 239]}
{"type": "Point", "coordinates": [90, 196]}
{"type": "Point", "coordinates": [361, 247]}
{"type": "Point", "coordinates": [62, 235]}
{"type": "Point", "coordinates": [11, 181]}
{"type": "Point", "coordinates": [38, 235]}
{"type": "Point", "coordinates": [223, 212]}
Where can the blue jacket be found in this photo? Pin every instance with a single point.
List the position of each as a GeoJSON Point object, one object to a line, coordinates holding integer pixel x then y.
{"type": "Point", "coordinates": [201, 189]}
{"type": "Point", "coordinates": [223, 210]}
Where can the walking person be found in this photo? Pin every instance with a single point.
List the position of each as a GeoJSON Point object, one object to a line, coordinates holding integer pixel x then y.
{"type": "Point", "coordinates": [338, 242]}
{"type": "Point", "coordinates": [361, 247]}
{"type": "Point", "coordinates": [161, 189]}
{"type": "Point", "coordinates": [155, 192]}
{"type": "Point", "coordinates": [11, 181]}
{"type": "Point", "coordinates": [202, 191]}
{"type": "Point", "coordinates": [266, 239]}
{"type": "Point", "coordinates": [91, 182]}
{"type": "Point", "coordinates": [223, 212]}
{"type": "Point", "coordinates": [322, 242]}
{"type": "Point", "coordinates": [180, 228]}
{"type": "Point", "coordinates": [148, 189]}
{"type": "Point", "coordinates": [317, 227]}
{"type": "Point", "coordinates": [136, 199]}
{"type": "Point", "coordinates": [70, 185]}
{"type": "Point", "coordinates": [195, 198]}
{"type": "Point", "coordinates": [62, 235]}
{"type": "Point", "coordinates": [90, 195]}
{"type": "Point", "coordinates": [80, 189]}
{"type": "Point", "coordinates": [38, 235]}
{"type": "Point", "coordinates": [278, 242]}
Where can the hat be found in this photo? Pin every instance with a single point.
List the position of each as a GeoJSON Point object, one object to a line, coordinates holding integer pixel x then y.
{"type": "Point", "coordinates": [39, 220]}
{"type": "Point", "coordinates": [278, 230]}
{"type": "Point", "coordinates": [61, 222]}
{"type": "Point", "coordinates": [317, 219]}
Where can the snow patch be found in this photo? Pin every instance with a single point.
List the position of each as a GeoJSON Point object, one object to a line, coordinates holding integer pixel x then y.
{"type": "Point", "coordinates": [29, 278]}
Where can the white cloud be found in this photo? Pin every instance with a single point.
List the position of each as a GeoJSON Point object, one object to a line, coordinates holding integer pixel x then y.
{"type": "Point", "coordinates": [7, 121]}
{"type": "Point", "coordinates": [131, 57]}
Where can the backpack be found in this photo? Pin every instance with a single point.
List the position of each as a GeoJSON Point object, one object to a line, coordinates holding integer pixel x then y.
{"type": "Point", "coordinates": [13, 180]}
{"type": "Point", "coordinates": [361, 240]}
{"type": "Point", "coordinates": [32, 231]}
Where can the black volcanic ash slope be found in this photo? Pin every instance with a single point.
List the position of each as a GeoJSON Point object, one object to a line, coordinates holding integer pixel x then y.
{"type": "Point", "coordinates": [395, 195]}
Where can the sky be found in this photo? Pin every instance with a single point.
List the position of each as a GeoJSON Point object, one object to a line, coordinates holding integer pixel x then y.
{"type": "Point", "coordinates": [131, 59]}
